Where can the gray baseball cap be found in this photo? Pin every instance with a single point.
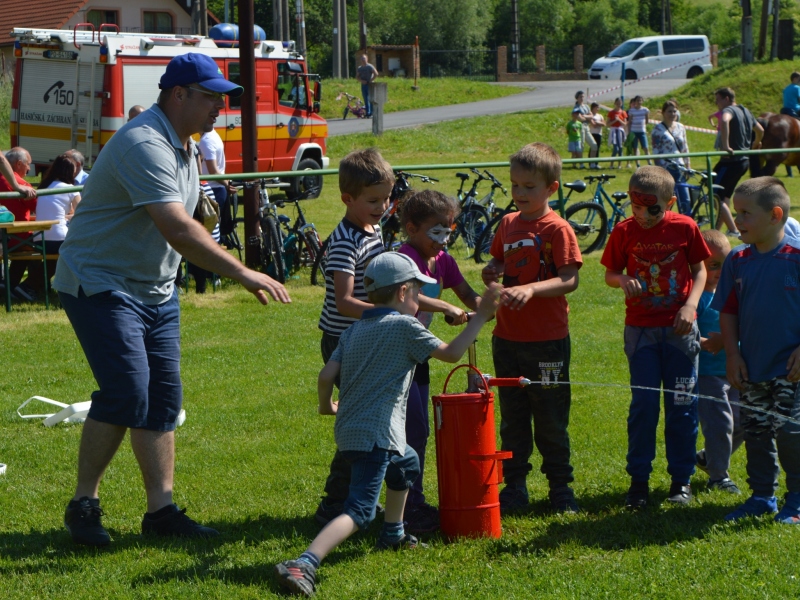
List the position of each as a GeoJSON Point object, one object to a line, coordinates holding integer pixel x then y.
{"type": "Point", "coordinates": [392, 267]}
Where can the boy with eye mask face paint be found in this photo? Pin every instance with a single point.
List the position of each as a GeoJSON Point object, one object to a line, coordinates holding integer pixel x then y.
{"type": "Point", "coordinates": [656, 257]}
{"type": "Point", "coordinates": [427, 217]}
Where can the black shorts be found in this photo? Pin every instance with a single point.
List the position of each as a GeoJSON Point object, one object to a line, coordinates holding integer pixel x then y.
{"type": "Point", "coordinates": [729, 173]}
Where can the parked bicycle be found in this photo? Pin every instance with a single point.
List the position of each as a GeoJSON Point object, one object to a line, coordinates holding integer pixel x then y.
{"type": "Point", "coordinates": [484, 242]}
{"type": "Point", "coordinates": [487, 201]}
{"type": "Point", "coordinates": [283, 250]}
{"type": "Point", "coordinates": [698, 195]}
{"type": "Point", "coordinates": [354, 106]}
{"type": "Point", "coordinates": [390, 225]}
{"type": "Point", "coordinates": [590, 220]}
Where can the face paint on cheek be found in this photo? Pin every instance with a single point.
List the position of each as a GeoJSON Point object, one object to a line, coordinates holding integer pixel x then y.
{"type": "Point", "coordinates": [439, 234]}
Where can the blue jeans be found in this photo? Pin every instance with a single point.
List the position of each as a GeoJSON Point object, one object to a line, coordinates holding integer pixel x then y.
{"type": "Point", "coordinates": [656, 356]}
{"type": "Point", "coordinates": [682, 192]}
{"type": "Point", "coordinates": [368, 471]}
{"type": "Point", "coordinates": [134, 352]}
{"type": "Point", "coordinates": [639, 137]}
{"type": "Point", "coordinates": [365, 94]}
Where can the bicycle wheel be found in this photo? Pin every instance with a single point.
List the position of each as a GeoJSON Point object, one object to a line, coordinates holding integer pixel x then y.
{"type": "Point", "coordinates": [311, 247]}
{"type": "Point", "coordinates": [320, 262]}
{"type": "Point", "coordinates": [702, 210]}
{"type": "Point", "coordinates": [589, 221]}
{"type": "Point", "coordinates": [469, 226]}
{"type": "Point", "coordinates": [624, 213]}
{"type": "Point", "coordinates": [484, 243]}
{"type": "Point", "coordinates": [272, 262]}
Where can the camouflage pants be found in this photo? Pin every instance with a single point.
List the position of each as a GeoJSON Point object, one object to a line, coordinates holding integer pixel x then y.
{"type": "Point", "coordinates": [769, 439]}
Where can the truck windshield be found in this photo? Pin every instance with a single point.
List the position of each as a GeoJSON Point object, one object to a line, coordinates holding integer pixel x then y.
{"type": "Point", "coordinates": [624, 50]}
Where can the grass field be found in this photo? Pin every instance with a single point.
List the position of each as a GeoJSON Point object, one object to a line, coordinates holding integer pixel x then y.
{"type": "Point", "coordinates": [253, 455]}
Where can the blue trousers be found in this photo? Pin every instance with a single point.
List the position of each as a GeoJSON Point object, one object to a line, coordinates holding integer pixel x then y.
{"type": "Point", "coordinates": [656, 357]}
{"type": "Point", "coordinates": [365, 94]}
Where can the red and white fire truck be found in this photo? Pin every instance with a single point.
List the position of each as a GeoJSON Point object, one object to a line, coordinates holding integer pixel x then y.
{"type": "Point", "coordinates": [73, 89]}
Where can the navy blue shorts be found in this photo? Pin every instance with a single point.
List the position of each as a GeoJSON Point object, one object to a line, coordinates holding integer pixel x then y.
{"type": "Point", "coordinates": [134, 352]}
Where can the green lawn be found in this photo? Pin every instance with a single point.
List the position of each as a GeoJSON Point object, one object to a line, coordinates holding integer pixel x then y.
{"type": "Point", "coordinates": [253, 455]}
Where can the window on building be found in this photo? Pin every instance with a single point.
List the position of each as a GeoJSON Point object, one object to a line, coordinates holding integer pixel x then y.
{"type": "Point", "coordinates": [98, 17]}
{"type": "Point", "coordinates": [158, 22]}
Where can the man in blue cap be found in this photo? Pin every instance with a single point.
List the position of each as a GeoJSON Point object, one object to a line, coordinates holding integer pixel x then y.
{"type": "Point", "coordinates": [115, 279]}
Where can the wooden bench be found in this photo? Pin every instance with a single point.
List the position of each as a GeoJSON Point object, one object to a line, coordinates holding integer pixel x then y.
{"type": "Point", "coordinates": [31, 256]}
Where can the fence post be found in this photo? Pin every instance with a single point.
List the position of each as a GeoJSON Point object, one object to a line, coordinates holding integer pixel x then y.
{"type": "Point", "coordinates": [541, 65]}
{"type": "Point", "coordinates": [378, 94]}
{"type": "Point", "coordinates": [577, 58]}
{"type": "Point", "coordinates": [714, 55]}
{"type": "Point", "coordinates": [501, 68]}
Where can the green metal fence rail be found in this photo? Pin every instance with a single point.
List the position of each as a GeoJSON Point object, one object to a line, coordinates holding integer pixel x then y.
{"type": "Point", "coordinates": [478, 165]}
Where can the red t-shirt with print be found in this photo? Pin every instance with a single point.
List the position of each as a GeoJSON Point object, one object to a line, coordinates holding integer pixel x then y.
{"type": "Point", "coordinates": [660, 258]}
{"type": "Point", "coordinates": [534, 251]}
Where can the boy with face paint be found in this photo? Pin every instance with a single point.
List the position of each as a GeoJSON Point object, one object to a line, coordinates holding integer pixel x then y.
{"type": "Point", "coordinates": [656, 258]}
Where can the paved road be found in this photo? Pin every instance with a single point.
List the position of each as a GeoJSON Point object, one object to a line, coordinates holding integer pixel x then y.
{"type": "Point", "coordinates": [546, 94]}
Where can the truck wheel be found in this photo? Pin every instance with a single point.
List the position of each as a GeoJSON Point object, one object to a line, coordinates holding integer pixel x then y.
{"type": "Point", "coordinates": [630, 74]}
{"type": "Point", "coordinates": [694, 72]}
{"type": "Point", "coordinates": [301, 185]}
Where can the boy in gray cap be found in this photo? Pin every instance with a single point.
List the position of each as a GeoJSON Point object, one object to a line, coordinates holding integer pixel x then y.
{"type": "Point", "coordinates": [375, 359]}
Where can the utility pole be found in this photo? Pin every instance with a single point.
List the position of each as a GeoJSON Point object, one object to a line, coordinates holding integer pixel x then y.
{"type": "Point", "coordinates": [277, 19]}
{"type": "Point", "coordinates": [776, 9]}
{"type": "Point", "coordinates": [362, 27]}
{"type": "Point", "coordinates": [762, 31]}
{"type": "Point", "coordinates": [747, 32]}
{"type": "Point", "coordinates": [301, 27]}
{"type": "Point", "coordinates": [345, 52]}
{"type": "Point", "coordinates": [287, 31]}
{"type": "Point", "coordinates": [515, 49]}
{"type": "Point", "coordinates": [337, 64]}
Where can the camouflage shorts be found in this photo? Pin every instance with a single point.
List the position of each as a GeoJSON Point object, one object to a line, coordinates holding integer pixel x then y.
{"type": "Point", "coordinates": [774, 401]}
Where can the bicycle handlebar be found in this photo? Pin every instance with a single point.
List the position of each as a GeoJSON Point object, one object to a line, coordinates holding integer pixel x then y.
{"type": "Point", "coordinates": [599, 178]}
{"type": "Point", "coordinates": [423, 178]}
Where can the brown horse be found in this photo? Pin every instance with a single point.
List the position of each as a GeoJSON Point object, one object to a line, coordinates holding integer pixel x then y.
{"type": "Point", "coordinates": [780, 131]}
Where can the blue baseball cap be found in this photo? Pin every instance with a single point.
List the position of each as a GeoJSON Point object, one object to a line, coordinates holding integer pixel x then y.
{"type": "Point", "coordinates": [194, 67]}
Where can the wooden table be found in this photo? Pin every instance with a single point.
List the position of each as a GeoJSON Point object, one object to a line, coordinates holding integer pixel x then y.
{"type": "Point", "coordinates": [33, 243]}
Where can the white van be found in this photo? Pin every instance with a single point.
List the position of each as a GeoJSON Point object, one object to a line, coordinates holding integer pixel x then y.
{"type": "Point", "coordinates": [690, 56]}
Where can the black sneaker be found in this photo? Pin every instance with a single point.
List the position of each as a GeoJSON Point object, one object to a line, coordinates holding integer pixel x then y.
{"type": "Point", "coordinates": [298, 577]}
{"type": "Point", "coordinates": [82, 520]}
{"type": "Point", "coordinates": [637, 496]}
{"type": "Point", "coordinates": [700, 461]}
{"type": "Point", "coordinates": [422, 518]}
{"type": "Point", "coordinates": [513, 498]}
{"type": "Point", "coordinates": [562, 499]}
{"type": "Point", "coordinates": [724, 485]}
{"type": "Point", "coordinates": [176, 524]}
{"type": "Point", "coordinates": [327, 511]}
{"type": "Point", "coordinates": [679, 493]}
{"type": "Point", "coordinates": [407, 542]}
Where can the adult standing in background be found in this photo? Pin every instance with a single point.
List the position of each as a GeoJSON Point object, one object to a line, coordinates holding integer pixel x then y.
{"type": "Point", "coordinates": [115, 280]}
{"type": "Point", "coordinates": [738, 130]}
{"type": "Point", "coordinates": [366, 75]}
{"type": "Point", "coordinates": [669, 137]}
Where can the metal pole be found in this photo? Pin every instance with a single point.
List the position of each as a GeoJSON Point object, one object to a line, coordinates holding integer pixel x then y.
{"type": "Point", "coordinates": [515, 36]}
{"type": "Point", "coordinates": [287, 31]}
{"type": "Point", "coordinates": [301, 27]}
{"type": "Point", "coordinates": [277, 20]}
{"type": "Point", "coordinates": [203, 18]}
{"type": "Point", "coordinates": [247, 65]}
{"type": "Point", "coordinates": [337, 66]}
{"type": "Point", "coordinates": [362, 28]}
{"type": "Point", "coordinates": [710, 192]}
{"type": "Point", "coordinates": [345, 59]}
{"type": "Point", "coordinates": [776, 9]}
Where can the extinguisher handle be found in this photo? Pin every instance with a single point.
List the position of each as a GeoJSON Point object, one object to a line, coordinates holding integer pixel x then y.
{"type": "Point", "coordinates": [449, 320]}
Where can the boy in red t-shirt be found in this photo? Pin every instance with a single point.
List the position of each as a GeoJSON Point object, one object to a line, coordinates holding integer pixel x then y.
{"type": "Point", "coordinates": [656, 257]}
{"type": "Point", "coordinates": [536, 255]}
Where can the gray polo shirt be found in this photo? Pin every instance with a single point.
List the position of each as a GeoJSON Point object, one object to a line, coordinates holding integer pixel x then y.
{"type": "Point", "coordinates": [112, 242]}
{"type": "Point", "coordinates": [378, 355]}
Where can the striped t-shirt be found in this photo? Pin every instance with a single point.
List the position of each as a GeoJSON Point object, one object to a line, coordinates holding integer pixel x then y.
{"type": "Point", "coordinates": [638, 119]}
{"type": "Point", "coordinates": [350, 250]}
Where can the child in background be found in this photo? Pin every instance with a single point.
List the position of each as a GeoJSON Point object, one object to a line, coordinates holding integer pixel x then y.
{"type": "Point", "coordinates": [758, 300]}
{"type": "Point", "coordinates": [596, 124]}
{"type": "Point", "coordinates": [638, 116]}
{"type": "Point", "coordinates": [574, 132]}
{"type": "Point", "coordinates": [617, 122]}
{"type": "Point", "coordinates": [536, 255]}
{"type": "Point", "coordinates": [656, 258]}
{"type": "Point", "coordinates": [427, 218]}
{"type": "Point", "coordinates": [365, 183]}
{"type": "Point", "coordinates": [375, 359]}
{"type": "Point", "coordinates": [719, 419]}
{"type": "Point", "coordinates": [791, 97]}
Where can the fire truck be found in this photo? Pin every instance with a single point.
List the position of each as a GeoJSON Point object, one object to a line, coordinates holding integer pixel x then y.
{"type": "Point", "coordinates": [73, 89]}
